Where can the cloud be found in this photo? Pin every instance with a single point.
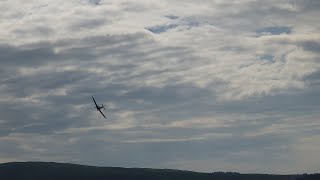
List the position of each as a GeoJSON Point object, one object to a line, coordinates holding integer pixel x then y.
{"type": "Point", "coordinates": [161, 29]}
{"type": "Point", "coordinates": [95, 2]}
{"type": "Point", "coordinates": [207, 86]}
{"type": "Point", "coordinates": [172, 16]}
{"type": "Point", "coordinates": [275, 30]}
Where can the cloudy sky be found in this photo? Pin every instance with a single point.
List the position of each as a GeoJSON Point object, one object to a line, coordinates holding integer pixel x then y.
{"type": "Point", "coordinates": [206, 85]}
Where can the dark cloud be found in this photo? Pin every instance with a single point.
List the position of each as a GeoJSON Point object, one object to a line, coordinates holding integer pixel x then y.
{"type": "Point", "coordinates": [54, 91]}
{"type": "Point", "coordinates": [313, 46]}
{"type": "Point", "coordinates": [39, 30]}
{"type": "Point", "coordinates": [24, 56]}
{"type": "Point", "coordinates": [161, 28]}
{"type": "Point", "coordinates": [172, 16]}
{"type": "Point", "coordinates": [315, 76]}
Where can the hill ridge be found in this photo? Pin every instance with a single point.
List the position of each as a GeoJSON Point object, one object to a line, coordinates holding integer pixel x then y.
{"type": "Point", "coordinates": [63, 171]}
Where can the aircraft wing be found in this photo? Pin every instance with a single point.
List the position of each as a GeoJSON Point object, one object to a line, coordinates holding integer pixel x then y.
{"type": "Point", "coordinates": [102, 114]}
{"type": "Point", "coordinates": [94, 102]}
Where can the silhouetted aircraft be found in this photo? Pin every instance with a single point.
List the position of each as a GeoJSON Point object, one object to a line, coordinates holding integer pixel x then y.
{"type": "Point", "coordinates": [99, 107]}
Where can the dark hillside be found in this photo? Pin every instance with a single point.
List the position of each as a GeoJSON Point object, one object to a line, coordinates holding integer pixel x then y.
{"type": "Point", "coordinates": [61, 171]}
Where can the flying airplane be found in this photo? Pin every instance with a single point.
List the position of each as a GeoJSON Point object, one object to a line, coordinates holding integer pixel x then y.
{"type": "Point", "coordinates": [99, 107]}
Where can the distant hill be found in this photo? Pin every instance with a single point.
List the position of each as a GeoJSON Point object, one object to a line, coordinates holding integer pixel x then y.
{"type": "Point", "coordinates": [62, 171]}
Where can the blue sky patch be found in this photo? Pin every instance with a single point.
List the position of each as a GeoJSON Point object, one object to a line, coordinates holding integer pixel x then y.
{"type": "Point", "coordinates": [95, 2]}
{"type": "Point", "coordinates": [275, 30]}
{"type": "Point", "coordinates": [266, 57]}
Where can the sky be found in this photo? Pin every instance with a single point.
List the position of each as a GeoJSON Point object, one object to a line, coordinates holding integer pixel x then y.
{"type": "Point", "coordinates": [206, 85]}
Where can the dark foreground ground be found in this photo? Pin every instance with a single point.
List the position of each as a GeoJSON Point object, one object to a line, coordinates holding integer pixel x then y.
{"type": "Point", "coordinates": [60, 171]}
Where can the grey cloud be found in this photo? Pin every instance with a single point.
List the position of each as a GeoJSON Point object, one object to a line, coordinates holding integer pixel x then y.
{"type": "Point", "coordinates": [33, 84]}
{"type": "Point", "coordinates": [11, 55]}
{"type": "Point", "coordinates": [186, 99]}
{"type": "Point", "coordinates": [161, 28]}
{"type": "Point", "coordinates": [78, 84]}
{"type": "Point", "coordinates": [249, 16]}
{"type": "Point", "coordinates": [88, 24]}
{"type": "Point", "coordinates": [160, 153]}
{"type": "Point", "coordinates": [313, 76]}
{"type": "Point", "coordinates": [128, 6]}
{"type": "Point", "coordinates": [95, 2]}
{"type": "Point", "coordinates": [44, 52]}
{"type": "Point", "coordinates": [277, 30]}
{"type": "Point", "coordinates": [313, 46]}
{"type": "Point", "coordinates": [172, 16]}
{"type": "Point", "coordinates": [308, 5]}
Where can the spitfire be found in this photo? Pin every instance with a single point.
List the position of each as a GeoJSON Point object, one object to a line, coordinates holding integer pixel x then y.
{"type": "Point", "coordinates": [99, 107]}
